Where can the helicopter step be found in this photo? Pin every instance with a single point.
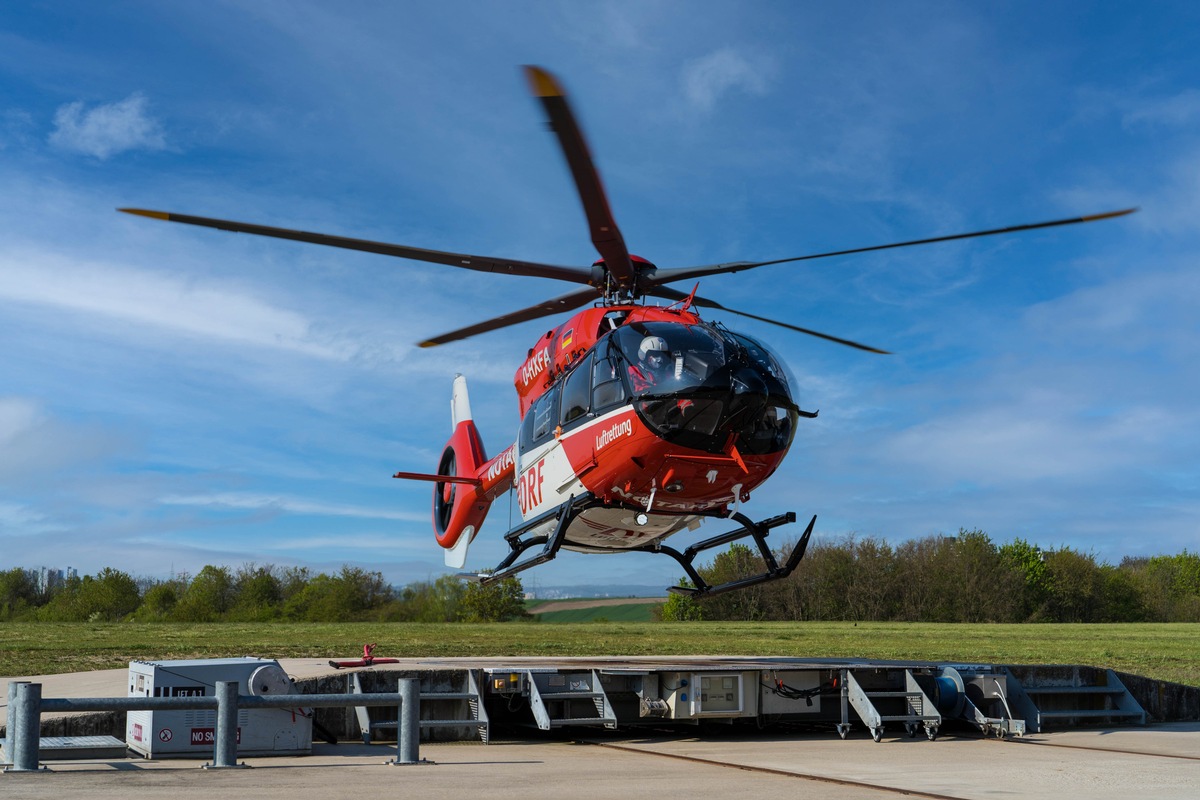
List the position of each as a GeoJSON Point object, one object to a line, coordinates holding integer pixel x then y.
{"type": "Point", "coordinates": [559, 699]}
{"type": "Point", "coordinates": [910, 706]}
{"type": "Point", "coordinates": [1061, 697]}
{"type": "Point", "coordinates": [470, 714]}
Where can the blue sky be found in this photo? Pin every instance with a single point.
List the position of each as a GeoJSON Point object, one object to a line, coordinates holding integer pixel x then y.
{"type": "Point", "coordinates": [172, 397]}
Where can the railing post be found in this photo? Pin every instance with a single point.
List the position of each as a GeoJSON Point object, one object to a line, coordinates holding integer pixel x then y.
{"type": "Point", "coordinates": [408, 723]}
{"type": "Point", "coordinates": [25, 718]}
{"type": "Point", "coordinates": [225, 746]}
{"type": "Point", "coordinates": [8, 727]}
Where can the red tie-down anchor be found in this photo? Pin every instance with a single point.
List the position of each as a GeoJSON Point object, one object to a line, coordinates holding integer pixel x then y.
{"type": "Point", "coordinates": [367, 660]}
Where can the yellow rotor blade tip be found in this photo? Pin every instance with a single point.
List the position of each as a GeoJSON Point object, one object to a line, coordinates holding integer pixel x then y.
{"type": "Point", "coordinates": [542, 83]}
{"type": "Point", "coordinates": [141, 212]}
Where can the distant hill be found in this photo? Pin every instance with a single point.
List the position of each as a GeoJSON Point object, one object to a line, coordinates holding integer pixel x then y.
{"type": "Point", "coordinates": [597, 590]}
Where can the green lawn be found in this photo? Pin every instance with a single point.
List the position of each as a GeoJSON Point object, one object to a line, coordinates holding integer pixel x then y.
{"type": "Point", "coordinates": [625, 612]}
{"type": "Point", "coordinates": [1164, 651]}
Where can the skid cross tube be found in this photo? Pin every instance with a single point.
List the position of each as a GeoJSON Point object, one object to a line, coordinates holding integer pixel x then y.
{"type": "Point", "coordinates": [758, 531]}
{"type": "Point", "coordinates": [29, 705]}
{"type": "Point", "coordinates": [565, 514]}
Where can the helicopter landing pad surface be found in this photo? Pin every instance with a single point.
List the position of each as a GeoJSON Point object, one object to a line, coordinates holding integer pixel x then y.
{"type": "Point", "coordinates": [1160, 761]}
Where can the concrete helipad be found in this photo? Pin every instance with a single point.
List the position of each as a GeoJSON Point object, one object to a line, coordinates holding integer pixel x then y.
{"type": "Point", "coordinates": [1160, 761]}
{"type": "Point", "coordinates": [1164, 763]}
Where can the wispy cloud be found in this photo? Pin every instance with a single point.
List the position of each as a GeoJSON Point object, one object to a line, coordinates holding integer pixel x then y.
{"type": "Point", "coordinates": [17, 415]}
{"type": "Point", "coordinates": [185, 307]}
{"type": "Point", "coordinates": [106, 130]}
{"type": "Point", "coordinates": [390, 544]}
{"type": "Point", "coordinates": [1043, 437]}
{"type": "Point", "coordinates": [1174, 110]}
{"type": "Point", "coordinates": [33, 443]}
{"type": "Point", "coordinates": [16, 518]}
{"type": "Point", "coordinates": [706, 79]}
{"type": "Point", "coordinates": [16, 127]}
{"type": "Point", "coordinates": [289, 505]}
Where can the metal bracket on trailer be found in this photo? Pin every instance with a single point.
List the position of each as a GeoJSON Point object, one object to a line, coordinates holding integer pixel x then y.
{"type": "Point", "coordinates": [758, 531]}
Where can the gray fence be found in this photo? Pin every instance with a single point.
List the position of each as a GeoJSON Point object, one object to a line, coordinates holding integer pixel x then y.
{"type": "Point", "coordinates": [26, 706]}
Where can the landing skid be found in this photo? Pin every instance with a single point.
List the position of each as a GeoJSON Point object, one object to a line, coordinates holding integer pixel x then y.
{"type": "Point", "coordinates": [757, 530]}
{"type": "Point", "coordinates": [565, 514]}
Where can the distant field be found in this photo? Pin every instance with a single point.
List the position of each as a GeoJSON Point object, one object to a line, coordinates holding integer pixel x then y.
{"type": "Point", "coordinates": [1164, 651]}
{"type": "Point", "coordinates": [606, 609]}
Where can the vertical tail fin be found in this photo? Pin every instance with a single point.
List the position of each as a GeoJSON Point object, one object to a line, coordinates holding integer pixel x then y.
{"type": "Point", "coordinates": [466, 482]}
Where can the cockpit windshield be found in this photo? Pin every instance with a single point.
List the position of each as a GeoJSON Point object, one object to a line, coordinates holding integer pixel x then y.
{"type": "Point", "coordinates": [765, 359]}
{"type": "Point", "coordinates": [704, 386]}
{"type": "Point", "coordinates": [663, 358]}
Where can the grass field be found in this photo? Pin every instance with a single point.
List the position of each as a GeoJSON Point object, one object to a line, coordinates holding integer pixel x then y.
{"type": "Point", "coordinates": [1164, 651]}
{"type": "Point", "coordinates": [626, 612]}
{"type": "Point", "coordinates": [595, 610]}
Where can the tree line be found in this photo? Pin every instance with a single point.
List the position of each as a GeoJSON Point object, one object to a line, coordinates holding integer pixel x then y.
{"type": "Point", "coordinates": [256, 593]}
{"type": "Point", "coordinates": [963, 578]}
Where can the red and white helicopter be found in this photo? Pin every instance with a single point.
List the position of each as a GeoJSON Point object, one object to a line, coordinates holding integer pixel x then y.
{"type": "Point", "coordinates": [637, 421]}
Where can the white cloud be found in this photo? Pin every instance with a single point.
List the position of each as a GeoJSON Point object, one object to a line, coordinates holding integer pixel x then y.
{"type": "Point", "coordinates": [18, 518]}
{"type": "Point", "coordinates": [145, 298]}
{"type": "Point", "coordinates": [1034, 440]}
{"type": "Point", "coordinates": [356, 543]}
{"type": "Point", "coordinates": [106, 130]}
{"type": "Point", "coordinates": [16, 127]}
{"type": "Point", "coordinates": [706, 79]}
{"type": "Point", "coordinates": [1177, 110]}
{"type": "Point", "coordinates": [34, 444]}
{"type": "Point", "coordinates": [285, 504]}
{"type": "Point", "coordinates": [16, 416]}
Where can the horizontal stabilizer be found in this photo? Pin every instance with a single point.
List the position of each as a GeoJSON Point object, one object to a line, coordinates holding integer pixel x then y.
{"type": "Point", "coordinates": [421, 476]}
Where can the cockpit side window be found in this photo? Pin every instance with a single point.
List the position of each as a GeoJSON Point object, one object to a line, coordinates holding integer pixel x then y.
{"type": "Point", "coordinates": [576, 393]}
{"type": "Point", "coordinates": [608, 388]}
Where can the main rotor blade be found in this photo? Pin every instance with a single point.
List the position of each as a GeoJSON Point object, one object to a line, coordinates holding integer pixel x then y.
{"type": "Point", "coordinates": [605, 234]}
{"type": "Point", "coordinates": [688, 273]}
{"type": "Point", "coordinates": [672, 294]}
{"type": "Point", "coordinates": [461, 260]}
{"type": "Point", "coordinates": [566, 302]}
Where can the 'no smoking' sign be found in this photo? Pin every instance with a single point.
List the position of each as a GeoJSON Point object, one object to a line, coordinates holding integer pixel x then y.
{"type": "Point", "coordinates": [165, 735]}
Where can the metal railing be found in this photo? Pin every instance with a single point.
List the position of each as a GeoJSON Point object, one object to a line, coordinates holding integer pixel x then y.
{"type": "Point", "coordinates": [26, 706]}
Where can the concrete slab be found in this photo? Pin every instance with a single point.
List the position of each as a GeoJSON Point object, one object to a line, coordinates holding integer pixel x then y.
{"type": "Point", "coordinates": [1160, 761]}
{"type": "Point", "coordinates": [967, 767]}
{"type": "Point", "coordinates": [814, 766]}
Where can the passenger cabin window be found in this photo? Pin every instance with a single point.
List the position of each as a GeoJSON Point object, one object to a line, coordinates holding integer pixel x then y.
{"type": "Point", "coordinates": [540, 420]}
{"type": "Point", "coordinates": [577, 393]}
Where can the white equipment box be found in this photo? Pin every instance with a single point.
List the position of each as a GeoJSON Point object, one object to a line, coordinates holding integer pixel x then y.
{"type": "Point", "coordinates": [192, 733]}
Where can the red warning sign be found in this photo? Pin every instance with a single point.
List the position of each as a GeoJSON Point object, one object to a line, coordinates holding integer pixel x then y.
{"type": "Point", "coordinates": [165, 735]}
